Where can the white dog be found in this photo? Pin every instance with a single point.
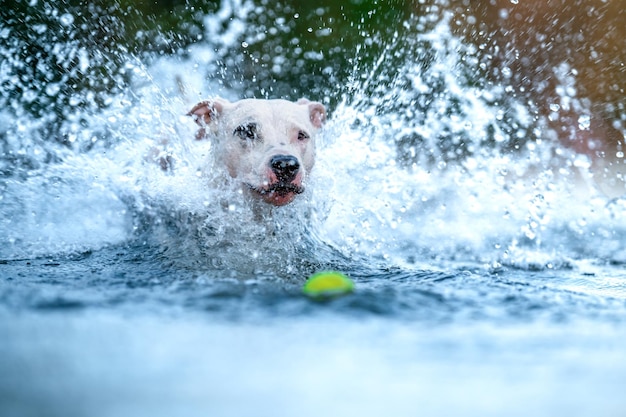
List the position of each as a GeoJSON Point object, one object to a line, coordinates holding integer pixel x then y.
{"type": "Point", "coordinates": [267, 145]}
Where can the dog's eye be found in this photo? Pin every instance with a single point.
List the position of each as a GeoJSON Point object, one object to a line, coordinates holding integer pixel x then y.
{"type": "Point", "coordinates": [247, 131]}
{"type": "Point", "coordinates": [302, 135]}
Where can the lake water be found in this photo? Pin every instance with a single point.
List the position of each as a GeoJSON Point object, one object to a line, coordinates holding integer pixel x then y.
{"type": "Point", "coordinates": [488, 281]}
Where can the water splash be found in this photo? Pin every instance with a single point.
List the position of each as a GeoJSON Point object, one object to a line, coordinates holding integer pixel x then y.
{"type": "Point", "coordinates": [439, 167]}
{"type": "Point", "coordinates": [422, 163]}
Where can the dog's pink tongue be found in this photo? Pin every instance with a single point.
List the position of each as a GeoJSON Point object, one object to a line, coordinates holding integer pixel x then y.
{"type": "Point", "coordinates": [279, 199]}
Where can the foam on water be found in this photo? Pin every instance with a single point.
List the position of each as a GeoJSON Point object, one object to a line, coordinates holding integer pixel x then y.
{"type": "Point", "coordinates": [415, 167]}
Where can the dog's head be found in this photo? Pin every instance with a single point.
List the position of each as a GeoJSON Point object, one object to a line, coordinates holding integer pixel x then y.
{"type": "Point", "coordinates": [267, 144]}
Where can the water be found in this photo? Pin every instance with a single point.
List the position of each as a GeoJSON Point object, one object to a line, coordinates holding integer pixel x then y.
{"type": "Point", "coordinates": [489, 269]}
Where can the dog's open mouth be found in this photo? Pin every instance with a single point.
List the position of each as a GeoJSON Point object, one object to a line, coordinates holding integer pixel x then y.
{"type": "Point", "coordinates": [278, 188]}
{"type": "Point", "coordinates": [279, 193]}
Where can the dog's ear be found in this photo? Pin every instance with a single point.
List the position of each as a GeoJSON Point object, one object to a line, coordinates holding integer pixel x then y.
{"type": "Point", "coordinates": [206, 112]}
{"type": "Point", "coordinates": [317, 111]}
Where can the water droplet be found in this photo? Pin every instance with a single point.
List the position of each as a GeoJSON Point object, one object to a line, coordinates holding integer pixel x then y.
{"type": "Point", "coordinates": [584, 121]}
{"type": "Point", "coordinates": [52, 89]}
{"type": "Point", "coordinates": [83, 60]}
{"type": "Point", "coordinates": [40, 29]}
{"type": "Point", "coordinates": [66, 19]}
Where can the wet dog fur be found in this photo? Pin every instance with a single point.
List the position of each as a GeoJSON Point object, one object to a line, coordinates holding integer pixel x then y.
{"type": "Point", "coordinates": [267, 145]}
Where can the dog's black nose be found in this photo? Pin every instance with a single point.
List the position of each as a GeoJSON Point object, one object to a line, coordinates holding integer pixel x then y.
{"type": "Point", "coordinates": [285, 167]}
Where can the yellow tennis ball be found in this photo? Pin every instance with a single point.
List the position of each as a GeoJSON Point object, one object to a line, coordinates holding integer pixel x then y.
{"type": "Point", "coordinates": [327, 284]}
